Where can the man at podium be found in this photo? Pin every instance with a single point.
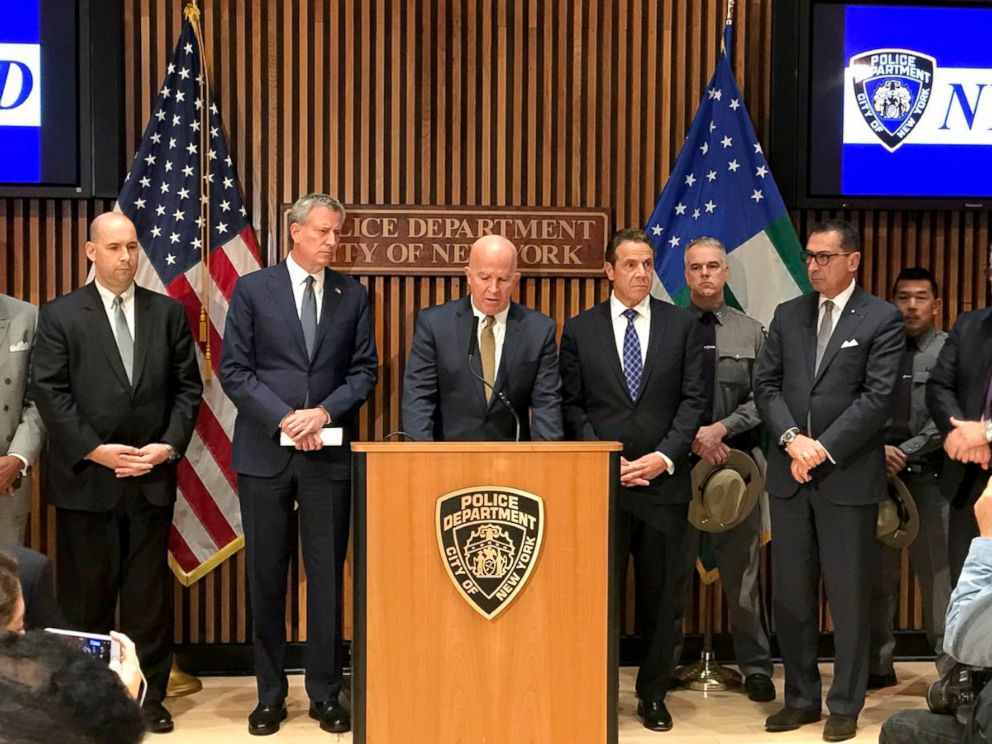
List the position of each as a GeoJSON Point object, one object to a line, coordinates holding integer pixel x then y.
{"type": "Point", "coordinates": [632, 371]}
{"type": "Point", "coordinates": [484, 368]}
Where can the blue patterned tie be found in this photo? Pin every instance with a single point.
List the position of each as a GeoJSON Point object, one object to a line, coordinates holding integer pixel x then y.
{"type": "Point", "coordinates": [632, 364]}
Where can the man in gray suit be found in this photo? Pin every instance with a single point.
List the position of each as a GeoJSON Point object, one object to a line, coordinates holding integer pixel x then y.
{"type": "Point", "coordinates": [486, 337]}
{"type": "Point", "coordinates": [824, 386]}
{"type": "Point", "coordinates": [21, 430]}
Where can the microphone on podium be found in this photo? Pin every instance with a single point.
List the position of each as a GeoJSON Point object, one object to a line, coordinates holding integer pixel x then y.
{"type": "Point", "coordinates": [473, 345]}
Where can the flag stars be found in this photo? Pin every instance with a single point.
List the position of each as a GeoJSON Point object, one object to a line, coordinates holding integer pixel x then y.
{"type": "Point", "coordinates": [180, 96]}
{"type": "Point", "coordinates": [194, 125]}
{"type": "Point", "coordinates": [712, 126]}
{"type": "Point", "coordinates": [179, 216]}
{"type": "Point", "coordinates": [695, 214]}
{"type": "Point", "coordinates": [168, 166]}
{"type": "Point", "coordinates": [717, 94]}
{"type": "Point", "coordinates": [170, 259]}
{"type": "Point", "coordinates": [196, 244]}
{"type": "Point", "coordinates": [244, 212]}
{"type": "Point", "coordinates": [674, 241]}
{"type": "Point", "coordinates": [198, 103]}
{"type": "Point", "coordinates": [704, 148]}
{"type": "Point", "coordinates": [199, 222]}
{"type": "Point", "coordinates": [145, 182]}
{"type": "Point", "coordinates": [191, 148]}
{"type": "Point", "coordinates": [711, 176]}
{"type": "Point", "coordinates": [733, 165]}
{"type": "Point", "coordinates": [156, 232]}
{"type": "Point", "coordinates": [222, 227]}
{"type": "Point", "coordinates": [184, 193]}
{"type": "Point", "coordinates": [757, 196]}
{"type": "Point", "coordinates": [165, 92]}
{"type": "Point", "coordinates": [214, 131]}
{"type": "Point", "coordinates": [690, 179]}
{"type": "Point", "coordinates": [726, 142]}
{"type": "Point", "coordinates": [225, 206]}
{"type": "Point", "coordinates": [735, 104]}
{"type": "Point", "coordinates": [165, 187]}
{"type": "Point", "coordinates": [228, 183]}
{"type": "Point", "coordinates": [655, 230]}
{"type": "Point", "coordinates": [213, 108]}
{"type": "Point", "coordinates": [176, 120]}
{"type": "Point", "coordinates": [183, 73]}
{"type": "Point", "coordinates": [757, 148]}
{"type": "Point", "coordinates": [188, 171]}
{"type": "Point", "coordinates": [710, 207]}
{"type": "Point", "coordinates": [680, 208]}
{"type": "Point", "coordinates": [761, 171]}
{"type": "Point", "coordinates": [229, 162]}
{"type": "Point", "coordinates": [156, 138]}
{"type": "Point", "coordinates": [174, 238]}
{"type": "Point", "coordinates": [172, 143]}
{"type": "Point", "coordinates": [188, 48]}
{"type": "Point", "coordinates": [211, 154]}
{"type": "Point", "coordinates": [171, 68]}
{"type": "Point", "coordinates": [160, 211]}
{"type": "Point", "coordinates": [150, 159]}
{"type": "Point", "coordinates": [139, 203]}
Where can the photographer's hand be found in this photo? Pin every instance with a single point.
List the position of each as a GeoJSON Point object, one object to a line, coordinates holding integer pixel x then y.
{"type": "Point", "coordinates": [127, 667]}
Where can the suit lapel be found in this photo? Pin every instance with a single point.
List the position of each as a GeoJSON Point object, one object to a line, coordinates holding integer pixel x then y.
{"type": "Point", "coordinates": [328, 306]}
{"type": "Point", "coordinates": [463, 330]}
{"type": "Point", "coordinates": [808, 334]}
{"type": "Point", "coordinates": [4, 327]}
{"type": "Point", "coordinates": [97, 319]}
{"type": "Point", "coordinates": [986, 347]}
{"type": "Point", "coordinates": [143, 328]}
{"type": "Point", "coordinates": [511, 345]}
{"type": "Point", "coordinates": [604, 329]}
{"type": "Point", "coordinates": [282, 292]}
{"type": "Point", "coordinates": [655, 337]}
{"type": "Point", "coordinates": [847, 324]}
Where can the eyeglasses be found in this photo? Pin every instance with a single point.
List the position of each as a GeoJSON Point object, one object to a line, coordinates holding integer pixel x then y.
{"type": "Point", "coordinates": [821, 258]}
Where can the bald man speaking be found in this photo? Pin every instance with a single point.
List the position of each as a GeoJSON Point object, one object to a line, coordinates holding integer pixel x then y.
{"type": "Point", "coordinates": [475, 358]}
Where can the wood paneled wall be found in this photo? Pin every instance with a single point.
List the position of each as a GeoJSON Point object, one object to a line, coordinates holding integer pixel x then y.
{"type": "Point", "coordinates": [459, 102]}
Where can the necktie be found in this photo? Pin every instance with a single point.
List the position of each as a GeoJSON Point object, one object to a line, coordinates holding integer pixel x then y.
{"type": "Point", "coordinates": [308, 316]}
{"type": "Point", "coordinates": [708, 321]}
{"type": "Point", "coordinates": [823, 335]}
{"type": "Point", "coordinates": [632, 364]}
{"type": "Point", "coordinates": [902, 399]}
{"type": "Point", "coordinates": [487, 346]}
{"type": "Point", "coordinates": [125, 344]}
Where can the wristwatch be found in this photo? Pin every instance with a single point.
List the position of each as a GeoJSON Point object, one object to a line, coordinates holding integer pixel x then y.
{"type": "Point", "coordinates": [988, 430]}
{"type": "Point", "coordinates": [173, 455]}
{"type": "Point", "coordinates": [788, 437]}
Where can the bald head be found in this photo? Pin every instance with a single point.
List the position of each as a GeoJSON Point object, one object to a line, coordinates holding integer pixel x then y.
{"type": "Point", "coordinates": [113, 249]}
{"type": "Point", "coordinates": [492, 273]}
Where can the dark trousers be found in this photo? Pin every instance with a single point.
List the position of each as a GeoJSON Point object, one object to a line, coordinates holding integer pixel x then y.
{"type": "Point", "coordinates": [121, 553]}
{"type": "Point", "coordinates": [267, 515]}
{"type": "Point", "coordinates": [653, 534]}
{"type": "Point", "coordinates": [812, 537]}
{"type": "Point", "coordinates": [962, 528]}
{"type": "Point", "coordinates": [921, 727]}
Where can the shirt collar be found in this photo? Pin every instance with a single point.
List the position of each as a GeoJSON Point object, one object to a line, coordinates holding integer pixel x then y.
{"type": "Point", "coordinates": [720, 312]}
{"type": "Point", "coordinates": [924, 339]}
{"type": "Point", "coordinates": [617, 308]}
{"type": "Point", "coordinates": [500, 316]}
{"type": "Point", "coordinates": [108, 297]}
{"type": "Point", "coordinates": [840, 301]}
{"type": "Point", "coordinates": [298, 275]}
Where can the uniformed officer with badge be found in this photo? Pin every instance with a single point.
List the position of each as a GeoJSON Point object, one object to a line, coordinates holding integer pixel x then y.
{"type": "Point", "coordinates": [732, 343]}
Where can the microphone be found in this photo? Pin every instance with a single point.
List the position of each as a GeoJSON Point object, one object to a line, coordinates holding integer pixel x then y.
{"type": "Point", "coordinates": [473, 345]}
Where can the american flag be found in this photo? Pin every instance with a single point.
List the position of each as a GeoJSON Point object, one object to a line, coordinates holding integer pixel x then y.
{"type": "Point", "coordinates": [182, 150]}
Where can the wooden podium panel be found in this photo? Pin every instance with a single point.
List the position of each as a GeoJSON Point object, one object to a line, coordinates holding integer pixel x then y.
{"type": "Point", "coordinates": [429, 668]}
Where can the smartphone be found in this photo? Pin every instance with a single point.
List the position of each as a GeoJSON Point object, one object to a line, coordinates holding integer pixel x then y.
{"type": "Point", "coordinates": [101, 647]}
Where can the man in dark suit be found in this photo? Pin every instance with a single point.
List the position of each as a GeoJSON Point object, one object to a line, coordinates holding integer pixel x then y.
{"type": "Point", "coordinates": [632, 371]}
{"type": "Point", "coordinates": [117, 385]}
{"type": "Point", "coordinates": [37, 579]}
{"type": "Point", "coordinates": [514, 351]}
{"type": "Point", "coordinates": [824, 386]}
{"type": "Point", "coordinates": [299, 355]}
{"type": "Point", "coordinates": [959, 397]}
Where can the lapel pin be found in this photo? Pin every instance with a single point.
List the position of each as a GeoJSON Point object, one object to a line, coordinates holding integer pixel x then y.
{"type": "Point", "coordinates": [338, 290]}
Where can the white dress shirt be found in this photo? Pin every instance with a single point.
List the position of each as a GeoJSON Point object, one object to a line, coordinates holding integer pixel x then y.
{"type": "Point", "coordinates": [127, 301]}
{"type": "Point", "coordinates": [840, 302]}
{"type": "Point", "coordinates": [499, 331]}
{"type": "Point", "coordinates": [298, 278]}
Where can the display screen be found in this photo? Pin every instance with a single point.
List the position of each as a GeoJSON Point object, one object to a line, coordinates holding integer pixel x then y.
{"type": "Point", "coordinates": [900, 101]}
{"type": "Point", "coordinates": [39, 93]}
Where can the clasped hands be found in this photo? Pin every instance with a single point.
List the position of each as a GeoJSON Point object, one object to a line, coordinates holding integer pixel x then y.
{"type": "Point", "coordinates": [709, 445]}
{"type": "Point", "coordinates": [303, 427]}
{"type": "Point", "coordinates": [966, 442]}
{"type": "Point", "coordinates": [127, 461]}
{"type": "Point", "coordinates": [642, 471]}
{"type": "Point", "coordinates": [806, 454]}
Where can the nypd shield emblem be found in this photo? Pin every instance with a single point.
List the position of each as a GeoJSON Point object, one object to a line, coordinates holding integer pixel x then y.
{"type": "Point", "coordinates": [892, 89]}
{"type": "Point", "coordinates": [489, 538]}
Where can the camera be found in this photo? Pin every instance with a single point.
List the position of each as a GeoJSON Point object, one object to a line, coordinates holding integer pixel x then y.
{"type": "Point", "coordinates": [100, 647]}
{"type": "Point", "coordinates": [957, 689]}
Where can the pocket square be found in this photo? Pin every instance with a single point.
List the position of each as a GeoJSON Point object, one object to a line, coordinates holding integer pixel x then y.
{"type": "Point", "coordinates": [20, 346]}
{"type": "Point", "coordinates": [849, 343]}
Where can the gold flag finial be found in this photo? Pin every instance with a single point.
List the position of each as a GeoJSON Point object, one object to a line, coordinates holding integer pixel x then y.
{"type": "Point", "coordinates": [191, 12]}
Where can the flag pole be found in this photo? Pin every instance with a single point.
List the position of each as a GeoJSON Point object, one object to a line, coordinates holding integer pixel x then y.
{"type": "Point", "coordinates": [192, 14]}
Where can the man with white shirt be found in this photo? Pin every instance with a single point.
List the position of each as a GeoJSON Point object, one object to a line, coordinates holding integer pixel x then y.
{"type": "Point", "coordinates": [823, 386]}
{"type": "Point", "coordinates": [632, 371]}
{"type": "Point", "coordinates": [460, 387]}
{"type": "Point", "coordinates": [116, 381]}
{"type": "Point", "coordinates": [299, 355]}
{"type": "Point", "coordinates": [21, 430]}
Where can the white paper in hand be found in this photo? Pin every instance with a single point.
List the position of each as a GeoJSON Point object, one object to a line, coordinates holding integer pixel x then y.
{"type": "Point", "coordinates": [330, 436]}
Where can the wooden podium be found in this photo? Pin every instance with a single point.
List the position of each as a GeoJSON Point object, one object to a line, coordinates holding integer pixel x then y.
{"type": "Point", "coordinates": [429, 666]}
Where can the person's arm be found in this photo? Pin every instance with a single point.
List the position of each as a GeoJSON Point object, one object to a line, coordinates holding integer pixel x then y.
{"type": "Point", "coordinates": [573, 397]}
{"type": "Point", "coordinates": [185, 376]}
{"type": "Point", "coordinates": [942, 394]}
{"type": "Point", "coordinates": [677, 441]}
{"type": "Point", "coordinates": [545, 412]}
{"type": "Point", "coordinates": [968, 627]}
{"type": "Point", "coordinates": [745, 417]}
{"type": "Point", "coordinates": [420, 386]}
{"type": "Point", "coordinates": [363, 369]}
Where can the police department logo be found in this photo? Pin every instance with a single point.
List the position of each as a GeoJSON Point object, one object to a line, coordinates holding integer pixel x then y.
{"type": "Point", "coordinates": [489, 538]}
{"type": "Point", "coordinates": [892, 89]}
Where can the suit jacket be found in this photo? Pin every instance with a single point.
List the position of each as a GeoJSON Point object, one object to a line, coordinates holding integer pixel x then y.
{"type": "Point", "coordinates": [845, 405]}
{"type": "Point", "coordinates": [37, 588]}
{"type": "Point", "coordinates": [669, 407]}
{"type": "Point", "coordinates": [266, 372]}
{"type": "Point", "coordinates": [443, 401]}
{"type": "Point", "coordinates": [21, 429]}
{"type": "Point", "coordinates": [85, 399]}
{"type": "Point", "coordinates": [957, 387]}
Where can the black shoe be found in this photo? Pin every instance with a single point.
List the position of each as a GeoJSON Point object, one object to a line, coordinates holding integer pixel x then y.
{"type": "Point", "coordinates": [840, 728]}
{"type": "Point", "coordinates": [654, 715]}
{"type": "Point", "coordinates": [789, 719]}
{"type": "Point", "coordinates": [759, 688]}
{"type": "Point", "coordinates": [265, 719]}
{"type": "Point", "coordinates": [157, 719]}
{"type": "Point", "coordinates": [333, 718]}
{"type": "Point", "coordinates": [878, 681]}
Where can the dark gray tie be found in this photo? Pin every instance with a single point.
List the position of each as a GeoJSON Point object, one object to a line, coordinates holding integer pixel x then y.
{"type": "Point", "coordinates": [823, 335]}
{"type": "Point", "coordinates": [125, 344]}
{"type": "Point", "coordinates": [308, 316]}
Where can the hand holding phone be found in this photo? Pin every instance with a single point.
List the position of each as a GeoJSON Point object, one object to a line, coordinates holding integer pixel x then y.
{"type": "Point", "coordinates": [99, 646]}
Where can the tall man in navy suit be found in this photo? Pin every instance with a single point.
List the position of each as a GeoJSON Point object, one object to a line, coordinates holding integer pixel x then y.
{"type": "Point", "coordinates": [514, 351]}
{"type": "Point", "coordinates": [632, 371]}
{"type": "Point", "coordinates": [824, 386]}
{"type": "Point", "coordinates": [299, 355]}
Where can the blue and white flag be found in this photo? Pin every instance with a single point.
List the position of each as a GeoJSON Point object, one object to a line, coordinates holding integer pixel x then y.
{"type": "Point", "coordinates": [721, 187]}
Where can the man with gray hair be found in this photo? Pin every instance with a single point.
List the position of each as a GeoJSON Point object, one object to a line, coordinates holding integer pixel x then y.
{"type": "Point", "coordinates": [299, 356]}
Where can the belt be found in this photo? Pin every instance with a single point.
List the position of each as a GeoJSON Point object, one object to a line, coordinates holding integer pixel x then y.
{"type": "Point", "coordinates": [922, 468]}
